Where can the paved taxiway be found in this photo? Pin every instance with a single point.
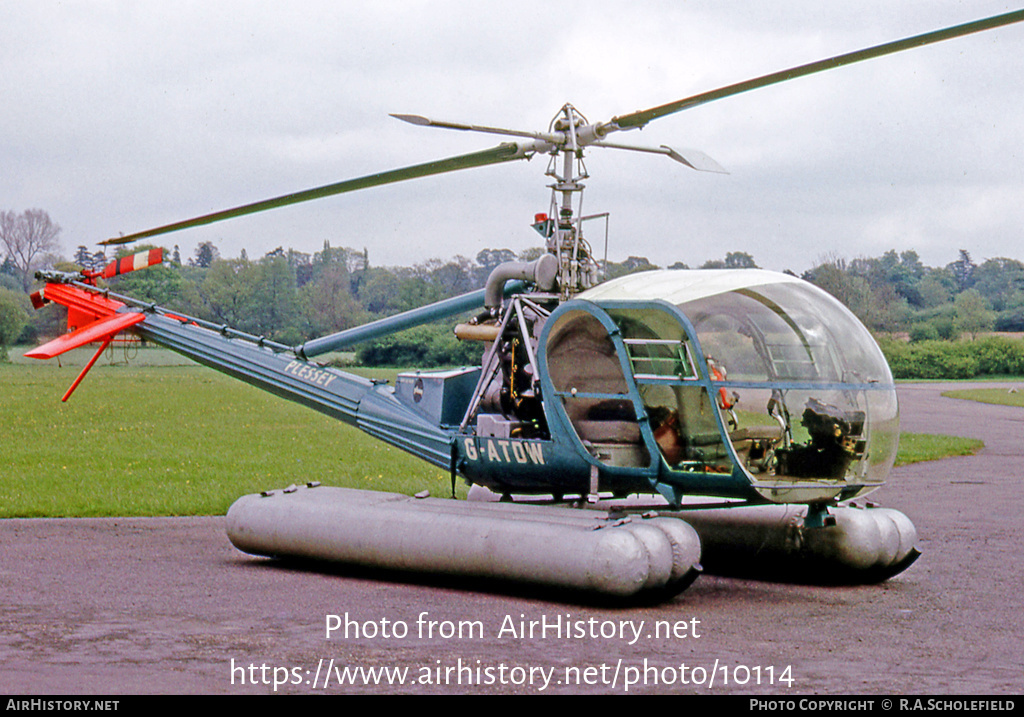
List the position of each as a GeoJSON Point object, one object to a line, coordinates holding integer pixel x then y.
{"type": "Point", "coordinates": [116, 606]}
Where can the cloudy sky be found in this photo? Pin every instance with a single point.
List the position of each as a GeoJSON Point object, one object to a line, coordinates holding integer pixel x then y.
{"type": "Point", "coordinates": [122, 116]}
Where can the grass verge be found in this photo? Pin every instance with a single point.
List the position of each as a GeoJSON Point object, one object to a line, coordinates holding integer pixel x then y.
{"type": "Point", "coordinates": [918, 447]}
{"type": "Point", "coordinates": [999, 396]}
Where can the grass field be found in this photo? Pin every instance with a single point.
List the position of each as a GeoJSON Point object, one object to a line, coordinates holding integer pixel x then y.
{"type": "Point", "coordinates": [173, 438]}
{"type": "Point", "coordinates": [1000, 396]}
{"type": "Point", "coordinates": [164, 436]}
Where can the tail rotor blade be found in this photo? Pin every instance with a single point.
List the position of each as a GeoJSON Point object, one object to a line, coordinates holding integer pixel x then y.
{"type": "Point", "coordinates": [125, 264]}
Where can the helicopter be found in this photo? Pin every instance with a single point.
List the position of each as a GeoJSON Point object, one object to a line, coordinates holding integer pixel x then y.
{"type": "Point", "coordinates": [753, 393]}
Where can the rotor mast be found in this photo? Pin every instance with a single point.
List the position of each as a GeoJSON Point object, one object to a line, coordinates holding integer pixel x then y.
{"type": "Point", "coordinates": [577, 268]}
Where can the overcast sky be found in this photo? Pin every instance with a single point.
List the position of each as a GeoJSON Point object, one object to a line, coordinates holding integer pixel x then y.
{"type": "Point", "coordinates": [121, 116]}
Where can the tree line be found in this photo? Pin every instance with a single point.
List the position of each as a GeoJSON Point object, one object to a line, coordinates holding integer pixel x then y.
{"type": "Point", "coordinates": [897, 293]}
{"type": "Point", "coordinates": [291, 296]}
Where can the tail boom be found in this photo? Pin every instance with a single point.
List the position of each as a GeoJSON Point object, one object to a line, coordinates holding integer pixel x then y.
{"type": "Point", "coordinates": [281, 370]}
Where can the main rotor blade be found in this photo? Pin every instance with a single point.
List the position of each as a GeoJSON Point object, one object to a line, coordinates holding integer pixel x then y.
{"type": "Point", "coordinates": [642, 117]}
{"type": "Point", "coordinates": [502, 153]}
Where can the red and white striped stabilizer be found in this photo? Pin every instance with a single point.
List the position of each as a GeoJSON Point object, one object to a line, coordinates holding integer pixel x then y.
{"type": "Point", "coordinates": [125, 264]}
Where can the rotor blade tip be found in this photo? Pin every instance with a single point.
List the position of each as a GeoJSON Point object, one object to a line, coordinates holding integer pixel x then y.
{"type": "Point", "coordinates": [412, 119]}
{"type": "Point", "coordinates": [695, 159]}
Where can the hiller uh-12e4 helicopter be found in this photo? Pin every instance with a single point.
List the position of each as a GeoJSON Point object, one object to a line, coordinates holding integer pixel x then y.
{"type": "Point", "coordinates": [748, 387]}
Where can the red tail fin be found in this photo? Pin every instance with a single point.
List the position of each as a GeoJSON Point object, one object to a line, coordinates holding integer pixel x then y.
{"type": "Point", "coordinates": [99, 330]}
{"type": "Point", "coordinates": [92, 317]}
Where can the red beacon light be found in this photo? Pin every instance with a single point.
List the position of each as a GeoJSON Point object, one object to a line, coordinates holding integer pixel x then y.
{"type": "Point", "coordinates": [542, 224]}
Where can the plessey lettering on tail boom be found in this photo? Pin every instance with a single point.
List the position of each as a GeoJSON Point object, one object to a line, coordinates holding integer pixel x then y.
{"type": "Point", "coordinates": [308, 373]}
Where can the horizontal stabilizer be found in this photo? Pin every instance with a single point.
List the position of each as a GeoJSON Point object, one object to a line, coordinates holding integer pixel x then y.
{"type": "Point", "coordinates": [96, 331]}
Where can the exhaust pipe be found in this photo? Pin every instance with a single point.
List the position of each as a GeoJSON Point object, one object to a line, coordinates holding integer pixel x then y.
{"type": "Point", "coordinates": [542, 271]}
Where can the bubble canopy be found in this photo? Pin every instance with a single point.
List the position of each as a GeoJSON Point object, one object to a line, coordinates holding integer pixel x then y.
{"type": "Point", "coordinates": [731, 375]}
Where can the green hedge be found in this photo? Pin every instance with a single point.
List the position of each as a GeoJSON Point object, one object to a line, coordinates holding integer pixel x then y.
{"type": "Point", "coordinates": [990, 356]}
{"type": "Point", "coordinates": [421, 347]}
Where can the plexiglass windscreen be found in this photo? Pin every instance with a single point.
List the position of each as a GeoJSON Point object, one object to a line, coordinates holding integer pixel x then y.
{"type": "Point", "coordinates": [828, 410]}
